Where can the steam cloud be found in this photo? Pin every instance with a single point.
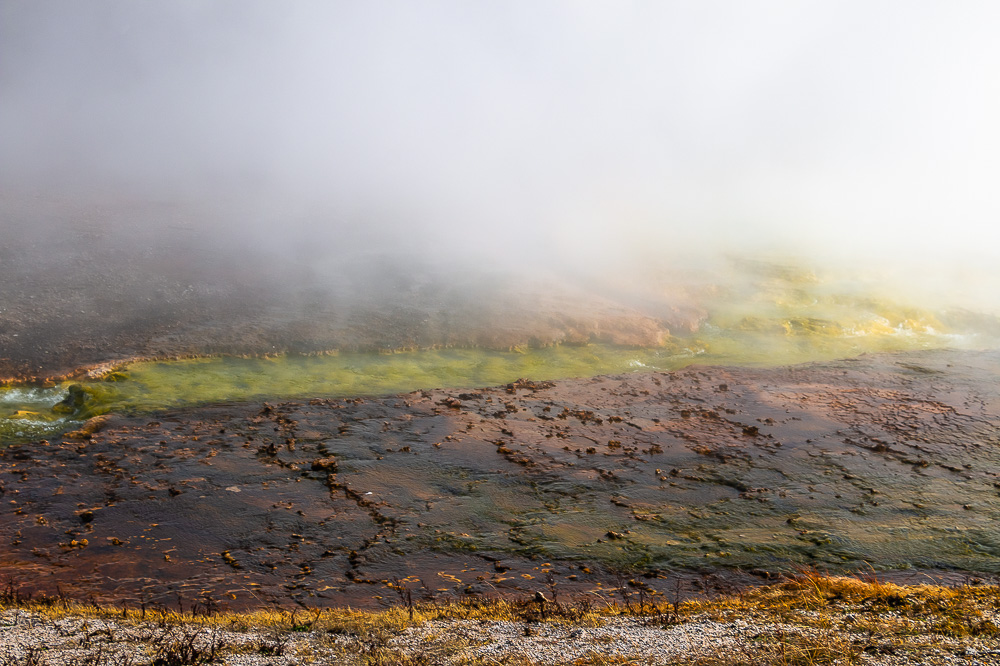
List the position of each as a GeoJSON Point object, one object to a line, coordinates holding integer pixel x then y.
{"type": "Point", "coordinates": [586, 135]}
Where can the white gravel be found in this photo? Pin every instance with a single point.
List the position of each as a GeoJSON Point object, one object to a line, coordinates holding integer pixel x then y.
{"type": "Point", "coordinates": [35, 640]}
{"type": "Point", "coordinates": [555, 643]}
{"type": "Point", "coordinates": [76, 640]}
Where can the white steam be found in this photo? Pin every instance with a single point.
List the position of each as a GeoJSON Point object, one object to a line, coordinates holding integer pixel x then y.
{"type": "Point", "coordinates": [584, 134]}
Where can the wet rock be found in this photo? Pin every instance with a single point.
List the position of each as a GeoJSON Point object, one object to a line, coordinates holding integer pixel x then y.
{"type": "Point", "coordinates": [328, 464]}
{"type": "Point", "coordinates": [89, 427]}
{"type": "Point", "coordinates": [74, 401]}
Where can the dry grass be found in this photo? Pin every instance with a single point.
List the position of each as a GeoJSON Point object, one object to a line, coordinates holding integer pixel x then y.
{"type": "Point", "coordinates": [807, 620]}
{"type": "Point", "coordinates": [334, 621]}
{"type": "Point", "coordinates": [854, 620]}
{"type": "Point", "coordinates": [956, 612]}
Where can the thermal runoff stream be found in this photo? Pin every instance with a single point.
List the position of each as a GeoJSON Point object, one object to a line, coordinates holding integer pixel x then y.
{"type": "Point", "coordinates": [786, 316]}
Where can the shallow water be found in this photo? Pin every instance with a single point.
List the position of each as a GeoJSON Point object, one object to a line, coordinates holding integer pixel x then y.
{"type": "Point", "coordinates": [884, 462]}
{"type": "Point", "coordinates": [27, 413]}
{"type": "Point", "coordinates": [779, 317]}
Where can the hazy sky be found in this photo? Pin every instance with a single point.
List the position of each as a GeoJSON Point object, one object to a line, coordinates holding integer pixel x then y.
{"type": "Point", "coordinates": [571, 130]}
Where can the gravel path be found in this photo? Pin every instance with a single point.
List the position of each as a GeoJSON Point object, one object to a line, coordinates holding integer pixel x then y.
{"type": "Point", "coordinates": [32, 639]}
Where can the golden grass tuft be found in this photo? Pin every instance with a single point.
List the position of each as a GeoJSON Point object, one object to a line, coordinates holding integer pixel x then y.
{"type": "Point", "coordinates": [806, 620]}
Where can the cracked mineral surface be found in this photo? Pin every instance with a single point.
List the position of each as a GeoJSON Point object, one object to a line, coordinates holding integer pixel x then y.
{"type": "Point", "coordinates": [883, 461]}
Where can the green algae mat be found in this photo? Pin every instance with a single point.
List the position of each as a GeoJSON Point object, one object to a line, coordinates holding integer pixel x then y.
{"type": "Point", "coordinates": [782, 317]}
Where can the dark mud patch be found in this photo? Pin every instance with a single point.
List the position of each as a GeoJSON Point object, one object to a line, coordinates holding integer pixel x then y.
{"type": "Point", "coordinates": [879, 463]}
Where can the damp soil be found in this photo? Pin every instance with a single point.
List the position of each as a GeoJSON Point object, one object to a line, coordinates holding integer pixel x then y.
{"type": "Point", "coordinates": [709, 476]}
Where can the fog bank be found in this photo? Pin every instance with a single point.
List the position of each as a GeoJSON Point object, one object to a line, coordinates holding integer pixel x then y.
{"type": "Point", "coordinates": [581, 136]}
